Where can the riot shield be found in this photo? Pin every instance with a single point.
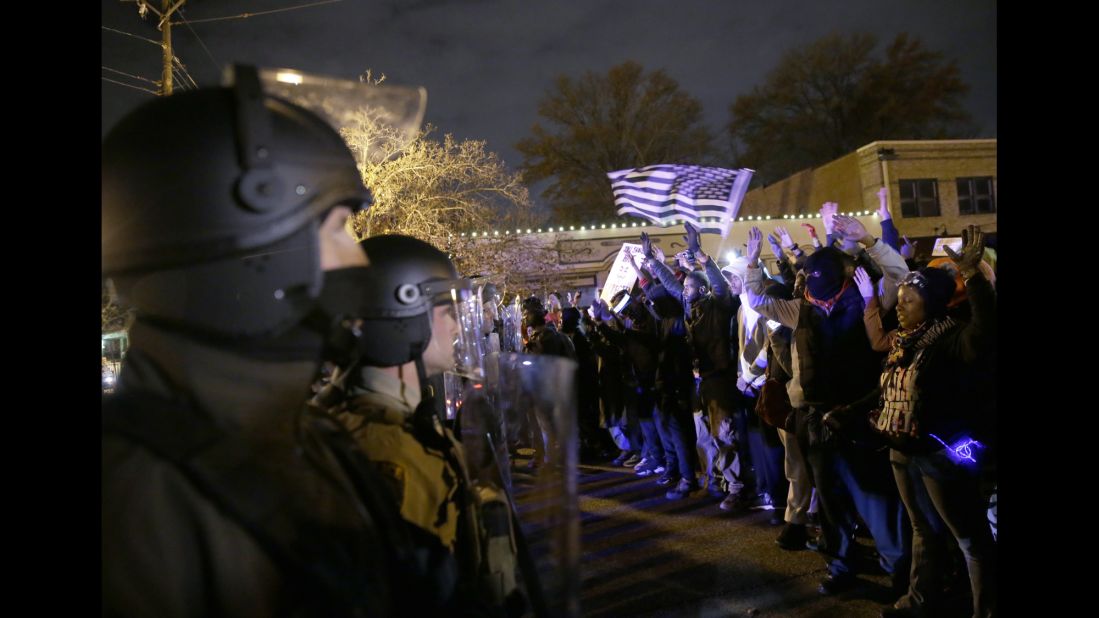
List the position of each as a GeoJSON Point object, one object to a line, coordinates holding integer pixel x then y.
{"type": "Point", "coordinates": [536, 393]}
{"type": "Point", "coordinates": [511, 339]}
{"type": "Point", "coordinates": [392, 113]}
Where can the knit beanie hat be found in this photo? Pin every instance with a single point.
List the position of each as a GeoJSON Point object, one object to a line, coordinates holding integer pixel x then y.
{"type": "Point", "coordinates": [935, 286]}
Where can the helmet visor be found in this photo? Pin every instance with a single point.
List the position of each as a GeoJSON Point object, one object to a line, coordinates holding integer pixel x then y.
{"type": "Point", "coordinates": [392, 113]}
{"type": "Point", "coordinates": [468, 313]}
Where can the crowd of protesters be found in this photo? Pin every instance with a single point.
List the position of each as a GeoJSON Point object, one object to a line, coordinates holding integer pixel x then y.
{"type": "Point", "coordinates": [850, 391]}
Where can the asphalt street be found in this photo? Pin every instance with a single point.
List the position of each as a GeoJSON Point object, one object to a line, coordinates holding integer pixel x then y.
{"type": "Point", "coordinates": [644, 555]}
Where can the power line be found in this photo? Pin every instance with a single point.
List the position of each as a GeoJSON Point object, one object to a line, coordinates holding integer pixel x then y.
{"type": "Point", "coordinates": [144, 79]}
{"type": "Point", "coordinates": [181, 83]}
{"type": "Point", "coordinates": [247, 15]}
{"type": "Point", "coordinates": [197, 38]}
{"type": "Point", "coordinates": [140, 38]}
{"type": "Point", "coordinates": [184, 70]}
{"type": "Point", "coordinates": [129, 86]}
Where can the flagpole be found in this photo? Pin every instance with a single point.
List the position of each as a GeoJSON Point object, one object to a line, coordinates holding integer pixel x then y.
{"type": "Point", "coordinates": [736, 198]}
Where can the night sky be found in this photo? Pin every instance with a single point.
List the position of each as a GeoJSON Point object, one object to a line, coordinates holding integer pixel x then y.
{"type": "Point", "coordinates": [486, 64]}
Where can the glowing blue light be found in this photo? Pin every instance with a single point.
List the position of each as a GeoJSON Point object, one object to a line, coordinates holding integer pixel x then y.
{"type": "Point", "coordinates": [962, 449]}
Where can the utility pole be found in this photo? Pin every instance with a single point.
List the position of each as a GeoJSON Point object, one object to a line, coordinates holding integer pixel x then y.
{"type": "Point", "coordinates": [165, 26]}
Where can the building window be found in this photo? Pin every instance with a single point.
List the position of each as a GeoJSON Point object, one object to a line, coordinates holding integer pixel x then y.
{"type": "Point", "coordinates": [920, 198]}
{"type": "Point", "coordinates": [975, 196]}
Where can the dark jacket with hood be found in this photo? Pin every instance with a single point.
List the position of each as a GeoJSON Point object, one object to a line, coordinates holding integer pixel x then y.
{"type": "Point", "coordinates": [674, 376]}
{"type": "Point", "coordinates": [831, 358]}
{"type": "Point", "coordinates": [708, 319]}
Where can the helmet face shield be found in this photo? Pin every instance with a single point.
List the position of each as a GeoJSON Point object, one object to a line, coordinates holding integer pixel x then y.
{"type": "Point", "coordinates": [469, 316]}
{"type": "Point", "coordinates": [396, 111]}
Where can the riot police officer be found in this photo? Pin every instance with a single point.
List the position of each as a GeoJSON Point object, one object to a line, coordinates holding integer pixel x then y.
{"type": "Point", "coordinates": [223, 225]}
{"type": "Point", "coordinates": [418, 319]}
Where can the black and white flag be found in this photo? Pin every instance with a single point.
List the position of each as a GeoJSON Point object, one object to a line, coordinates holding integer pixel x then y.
{"type": "Point", "coordinates": [707, 197]}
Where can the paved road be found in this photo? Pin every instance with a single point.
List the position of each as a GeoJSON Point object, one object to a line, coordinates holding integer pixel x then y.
{"type": "Point", "coordinates": [643, 555]}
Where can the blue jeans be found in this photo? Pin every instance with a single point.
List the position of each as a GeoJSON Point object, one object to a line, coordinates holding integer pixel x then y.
{"type": "Point", "coordinates": [956, 501]}
{"type": "Point", "coordinates": [676, 426]}
{"type": "Point", "coordinates": [851, 479]}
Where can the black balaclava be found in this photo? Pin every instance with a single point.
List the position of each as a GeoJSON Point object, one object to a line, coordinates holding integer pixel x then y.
{"type": "Point", "coordinates": [824, 273]}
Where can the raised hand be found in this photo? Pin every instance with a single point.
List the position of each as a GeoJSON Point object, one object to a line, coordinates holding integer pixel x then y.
{"type": "Point", "coordinates": [973, 249]}
{"type": "Point", "coordinates": [865, 285]}
{"type": "Point", "coordinates": [776, 247]}
{"type": "Point", "coordinates": [693, 244]}
{"type": "Point", "coordinates": [755, 244]}
{"type": "Point", "coordinates": [828, 210]}
{"type": "Point", "coordinates": [784, 238]}
{"type": "Point", "coordinates": [883, 204]}
{"type": "Point", "coordinates": [658, 254]}
{"type": "Point", "coordinates": [849, 228]}
{"type": "Point", "coordinates": [908, 249]}
{"type": "Point", "coordinates": [646, 245]}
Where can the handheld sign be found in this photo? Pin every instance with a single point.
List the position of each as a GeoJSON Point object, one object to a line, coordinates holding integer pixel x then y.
{"type": "Point", "coordinates": [622, 276]}
{"type": "Point", "coordinates": [954, 242]}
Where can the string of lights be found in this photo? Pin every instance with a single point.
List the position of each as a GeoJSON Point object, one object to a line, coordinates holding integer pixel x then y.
{"type": "Point", "coordinates": [247, 15]}
{"type": "Point", "coordinates": [623, 225]}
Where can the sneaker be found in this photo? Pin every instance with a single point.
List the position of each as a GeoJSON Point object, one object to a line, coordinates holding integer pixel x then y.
{"type": "Point", "coordinates": [644, 462]}
{"type": "Point", "coordinates": [648, 468]}
{"type": "Point", "coordinates": [792, 537]}
{"type": "Point", "coordinates": [632, 460]}
{"type": "Point", "coordinates": [622, 457]}
{"type": "Point", "coordinates": [759, 501]}
{"type": "Point", "coordinates": [682, 490]}
{"type": "Point", "coordinates": [735, 503]}
{"type": "Point", "coordinates": [819, 545]}
{"type": "Point", "coordinates": [666, 479]}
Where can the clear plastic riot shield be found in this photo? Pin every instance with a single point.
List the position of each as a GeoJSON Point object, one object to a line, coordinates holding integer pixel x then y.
{"type": "Point", "coordinates": [511, 339]}
{"type": "Point", "coordinates": [535, 395]}
{"type": "Point", "coordinates": [392, 113]}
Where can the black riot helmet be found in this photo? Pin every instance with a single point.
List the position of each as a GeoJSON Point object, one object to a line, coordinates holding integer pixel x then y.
{"type": "Point", "coordinates": [211, 203]}
{"type": "Point", "coordinates": [405, 279]}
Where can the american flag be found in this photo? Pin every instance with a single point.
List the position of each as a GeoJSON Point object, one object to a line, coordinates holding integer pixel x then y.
{"type": "Point", "coordinates": [707, 197]}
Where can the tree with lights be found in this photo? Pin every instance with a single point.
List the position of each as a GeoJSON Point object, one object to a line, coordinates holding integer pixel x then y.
{"type": "Point", "coordinates": [443, 192]}
{"type": "Point", "coordinates": [602, 123]}
{"type": "Point", "coordinates": [835, 95]}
